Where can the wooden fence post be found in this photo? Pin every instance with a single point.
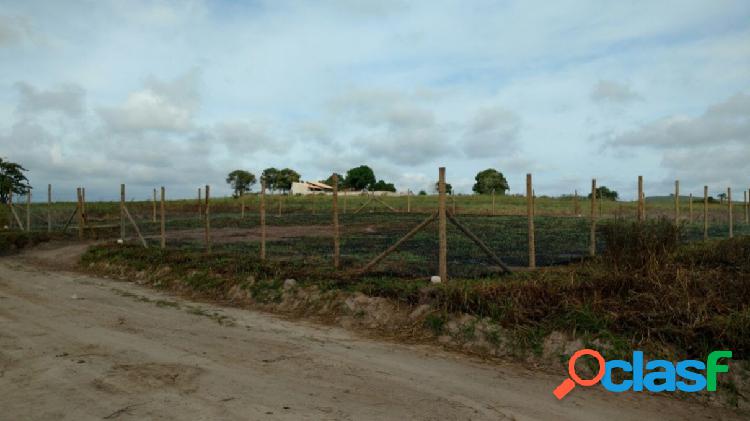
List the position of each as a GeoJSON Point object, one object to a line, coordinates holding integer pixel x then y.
{"type": "Point", "coordinates": [690, 208]}
{"type": "Point", "coordinates": [705, 213]}
{"type": "Point", "coordinates": [207, 218]}
{"type": "Point", "coordinates": [592, 234]}
{"type": "Point", "coordinates": [408, 201]}
{"type": "Point", "coordinates": [336, 244]}
{"type": "Point", "coordinates": [83, 206]}
{"type": "Point", "coordinates": [122, 212]}
{"type": "Point", "coordinates": [442, 228]}
{"type": "Point", "coordinates": [153, 207]}
{"type": "Point", "coordinates": [640, 199]}
{"type": "Point", "coordinates": [530, 217]}
{"type": "Point", "coordinates": [163, 221]}
{"type": "Point", "coordinates": [676, 201]}
{"type": "Point", "coordinates": [747, 211]}
{"type": "Point", "coordinates": [200, 205]}
{"type": "Point", "coordinates": [79, 195]}
{"type": "Point", "coordinates": [262, 220]}
{"type": "Point", "coordinates": [10, 208]}
{"type": "Point", "coordinates": [242, 205]}
{"type": "Point", "coordinates": [28, 210]}
{"type": "Point", "coordinates": [49, 207]}
{"type": "Point", "coordinates": [576, 205]}
{"type": "Point", "coordinates": [731, 219]}
{"type": "Point", "coordinates": [493, 201]}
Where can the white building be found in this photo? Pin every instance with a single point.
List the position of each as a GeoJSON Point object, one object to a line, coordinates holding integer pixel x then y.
{"type": "Point", "coordinates": [310, 187]}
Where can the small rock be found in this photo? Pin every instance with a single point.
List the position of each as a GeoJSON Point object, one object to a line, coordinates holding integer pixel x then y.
{"type": "Point", "coordinates": [74, 297]}
{"type": "Point", "coordinates": [290, 283]}
{"type": "Point", "coordinates": [119, 241]}
{"type": "Point", "coordinates": [435, 279]}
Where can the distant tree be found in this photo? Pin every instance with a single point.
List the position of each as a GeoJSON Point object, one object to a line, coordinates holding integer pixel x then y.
{"type": "Point", "coordinates": [360, 178]}
{"type": "Point", "coordinates": [422, 193]}
{"type": "Point", "coordinates": [271, 177]}
{"type": "Point", "coordinates": [329, 180]}
{"type": "Point", "coordinates": [12, 179]}
{"type": "Point", "coordinates": [722, 197]}
{"type": "Point", "coordinates": [285, 178]}
{"type": "Point", "coordinates": [448, 188]}
{"type": "Point", "coordinates": [383, 186]}
{"type": "Point", "coordinates": [489, 180]}
{"type": "Point", "coordinates": [241, 181]}
{"type": "Point", "coordinates": [604, 192]}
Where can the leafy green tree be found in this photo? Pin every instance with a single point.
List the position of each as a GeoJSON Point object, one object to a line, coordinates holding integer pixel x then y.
{"type": "Point", "coordinates": [603, 192]}
{"type": "Point", "coordinates": [285, 178]}
{"type": "Point", "coordinates": [241, 181]}
{"type": "Point", "coordinates": [422, 193]}
{"type": "Point", "coordinates": [271, 177]}
{"type": "Point", "coordinates": [360, 178]}
{"type": "Point", "coordinates": [489, 180]}
{"type": "Point", "coordinates": [383, 186]}
{"type": "Point", "coordinates": [12, 179]}
{"type": "Point", "coordinates": [329, 180]}
{"type": "Point", "coordinates": [722, 197]}
{"type": "Point", "coordinates": [448, 188]}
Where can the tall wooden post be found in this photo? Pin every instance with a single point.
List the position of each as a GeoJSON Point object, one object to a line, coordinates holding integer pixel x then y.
{"type": "Point", "coordinates": [530, 217]}
{"type": "Point", "coordinates": [83, 206]}
{"type": "Point", "coordinates": [28, 210]}
{"type": "Point", "coordinates": [153, 207]}
{"type": "Point", "coordinates": [731, 219]}
{"type": "Point", "coordinates": [10, 208]}
{"type": "Point", "coordinates": [442, 228]}
{"type": "Point", "coordinates": [49, 207]}
{"type": "Point", "coordinates": [705, 213]}
{"type": "Point", "coordinates": [408, 201]}
{"type": "Point", "coordinates": [207, 218]}
{"type": "Point", "coordinates": [690, 208]}
{"type": "Point", "coordinates": [640, 199]}
{"type": "Point", "coordinates": [200, 205]}
{"type": "Point", "coordinates": [262, 220]}
{"type": "Point", "coordinates": [122, 212]}
{"type": "Point", "coordinates": [576, 205]}
{"type": "Point", "coordinates": [163, 221]}
{"type": "Point", "coordinates": [676, 201]}
{"type": "Point", "coordinates": [592, 234]}
{"type": "Point", "coordinates": [335, 221]}
{"type": "Point", "coordinates": [79, 195]}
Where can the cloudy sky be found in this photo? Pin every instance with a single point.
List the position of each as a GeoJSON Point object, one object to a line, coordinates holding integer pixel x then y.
{"type": "Point", "coordinates": [96, 93]}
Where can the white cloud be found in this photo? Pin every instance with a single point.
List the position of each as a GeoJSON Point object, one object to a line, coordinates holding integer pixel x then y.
{"type": "Point", "coordinates": [160, 105]}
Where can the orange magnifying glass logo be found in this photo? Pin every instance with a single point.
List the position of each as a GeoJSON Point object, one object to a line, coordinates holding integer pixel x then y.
{"type": "Point", "coordinates": [568, 384]}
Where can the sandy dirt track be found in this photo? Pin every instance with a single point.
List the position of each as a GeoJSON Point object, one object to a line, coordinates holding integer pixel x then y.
{"type": "Point", "coordinates": [76, 347]}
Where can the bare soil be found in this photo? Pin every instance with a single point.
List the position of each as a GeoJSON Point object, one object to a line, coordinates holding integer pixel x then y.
{"type": "Point", "coordinates": [78, 347]}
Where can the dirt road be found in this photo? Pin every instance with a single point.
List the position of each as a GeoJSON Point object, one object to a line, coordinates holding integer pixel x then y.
{"type": "Point", "coordinates": [75, 347]}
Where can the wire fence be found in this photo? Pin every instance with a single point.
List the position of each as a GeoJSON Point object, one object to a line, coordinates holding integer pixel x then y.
{"type": "Point", "coordinates": [300, 228]}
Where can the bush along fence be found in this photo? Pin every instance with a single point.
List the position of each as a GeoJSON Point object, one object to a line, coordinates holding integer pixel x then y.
{"type": "Point", "coordinates": [357, 233]}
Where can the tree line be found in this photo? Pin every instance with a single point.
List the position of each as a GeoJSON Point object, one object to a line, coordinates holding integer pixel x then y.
{"type": "Point", "coordinates": [489, 181]}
